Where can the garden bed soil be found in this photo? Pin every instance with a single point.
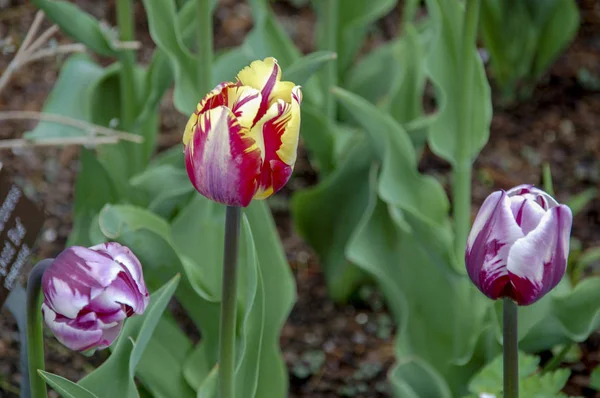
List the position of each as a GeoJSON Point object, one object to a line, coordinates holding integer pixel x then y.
{"type": "Point", "coordinates": [331, 350]}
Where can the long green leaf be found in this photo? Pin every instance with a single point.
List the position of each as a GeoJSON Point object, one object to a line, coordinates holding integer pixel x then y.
{"type": "Point", "coordinates": [120, 366]}
{"type": "Point", "coordinates": [64, 387]}
{"type": "Point", "coordinates": [442, 65]}
{"type": "Point", "coordinates": [80, 25]}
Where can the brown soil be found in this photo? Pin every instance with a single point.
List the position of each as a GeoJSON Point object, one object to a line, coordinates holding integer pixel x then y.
{"type": "Point", "coordinates": [339, 350]}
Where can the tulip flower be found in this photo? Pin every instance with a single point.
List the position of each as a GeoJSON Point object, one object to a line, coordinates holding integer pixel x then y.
{"type": "Point", "coordinates": [519, 244]}
{"type": "Point", "coordinates": [88, 292]}
{"type": "Point", "coordinates": [240, 144]}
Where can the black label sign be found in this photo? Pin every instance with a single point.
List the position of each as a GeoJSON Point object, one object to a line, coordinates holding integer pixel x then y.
{"type": "Point", "coordinates": [20, 223]}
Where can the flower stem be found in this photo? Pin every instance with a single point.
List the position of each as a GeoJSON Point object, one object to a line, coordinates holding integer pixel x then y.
{"type": "Point", "coordinates": [510, 343]}
{"type": "Point", "coordinates": [127, 58]}
{"type": "Point", "coordinates": [35, 328]}
{"type": "Point", "coordinates": [205, 46]}
{"type": "Point", "coordinates": [229, 302]}
{"type": "Point", "coordinates": [329, 24]}
{"type": "Point", "coordinates": [461, 178]}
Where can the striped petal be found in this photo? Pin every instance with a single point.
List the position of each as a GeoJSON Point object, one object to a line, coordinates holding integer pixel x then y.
{"type": "Point", "coordinates": [244, 102]}
{"type": "Point", "coordinates": [265, 76]}
{"type": "Point", "coordinates": [75, 336]}
{"type": "Point", "coordinates": [528, 191]}
{"type": "Point", "coordinates": [528, 213]}
{"type": "Point", "coordinates": [217, 97]}
{"type": "Point", "coordinates": [76, 276]}
{"type": "Point", "coordinates": [222, 161]}
{"type": "Point", "coordinates": [493, 233]}
{"type": "Point", "coordinates": [537, 262]}
{"type": "Point", "coordinates": [277, 136]}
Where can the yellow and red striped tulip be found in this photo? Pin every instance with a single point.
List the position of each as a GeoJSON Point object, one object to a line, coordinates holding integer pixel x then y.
{"type": "Point", "coordinates": [240, 143]}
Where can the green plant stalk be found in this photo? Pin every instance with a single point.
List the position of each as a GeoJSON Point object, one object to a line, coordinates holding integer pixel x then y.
{"type": "Point", "coordinates": [229, 302]}
{"type": "Point", "coordinates": [126, 26]}
{"type": "Point", "coordinates": [205, 46]}
{"type": "Point", "coordinates": [462, 170]}
{"type": "Point", "coordinates": [35, 329]}
{"type": "Point", "coordinates": [511, 349]}
{"type": "Point", "coordinates": [330, 22]}
{"type": "Point", "coordinates": [409, 11]}
{"type": "Point", "coordinates": [557, 359]}
{"type": "Point", "coordinates": [547, 179]}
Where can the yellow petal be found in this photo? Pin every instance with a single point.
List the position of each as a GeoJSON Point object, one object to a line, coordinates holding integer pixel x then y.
{"type": "Point", "coordinates": [244, 102]}
{"type": "Point", "coordinates": [266, 75]}
{"type": "Point", "coordinates": [188, 133]}
{"type": "Point", "coordinates": [289, 140]}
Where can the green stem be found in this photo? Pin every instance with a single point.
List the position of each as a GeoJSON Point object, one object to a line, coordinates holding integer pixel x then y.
{"type": "Point", "coordinates": [126, 26]}
{"type": "Point", "coordinates": [511, 353]}
{"type": "Point", "coordinates": [229, 302]}
{"type": "Point", "coordinates": [461, 181]}
{"type": "Point", "coordinates": [409, 11]}
{"type": "Point", "coordinates": [35, 329]}
{"type": "Point", "coordinates": [557, 359]}
{"type": "Point", "coordinates": [205, 46]}
{"type": "Point", "coordinates": [547, 179]}
{"type": "Point", "coordinates": [329, 25]}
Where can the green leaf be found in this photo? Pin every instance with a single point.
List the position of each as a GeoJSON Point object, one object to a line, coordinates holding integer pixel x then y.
{"type": "Point", "coordinates": [353, 25]}
{"type": "Point", "coordinates": [318, 134]}
{"type": "Point", "coordinates": [167, 187]}
{"type": "Point", "coordinates": [204, 268]}
{"type": "Point", "coordinates": [149, 236]}
{"type": "Point", "coordinates": [416, 378]}
{"type": "Point", "coordinates": [579, 201]}
{"type": "Point", "coordinates": [93, 189]}
{"type": "Point", "coordinates": [68, 98]}
{"type": "Point", "coordinates": [277, 281]}
{"type": "Point", "coordinates": [400, 184]}
{"type": "Point", "coordinates": [490, 378]}
{"type": "Point", "coordinates": [595, 379]}
{"type": "Point", "coordinates": [433, 326]}
{"type": "Point", "coordinates": [79, 25]}
{"type": "Point", "coordinates": [209, 388]}
{"type": "Point", "coordinates": [64, 387]}
{"type": "Point", "coordinates": [327, 215]}
{"type": "Point", "coordinates": [560, 21]}
{"type": "Point", "coordinates": [119, 368]}
{"type": "Point", "coordinates": [166, 32]}
{"type": "Point", "coordinates": [301, 70]}
{"type": "Point", "coordinates": [442, 64]}
{"type": "Point", "coordinates": [160, 368]}
{"type": "Point", "coordinates": [125, 159]}
{"type": "Point", "coordinates": [260, 370]}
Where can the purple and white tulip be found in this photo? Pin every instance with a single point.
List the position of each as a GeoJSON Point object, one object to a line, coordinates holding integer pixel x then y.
{"type": "Point", "coordinates": [518, 245]}
{"type": "Point", "coordinates": [88, 293]}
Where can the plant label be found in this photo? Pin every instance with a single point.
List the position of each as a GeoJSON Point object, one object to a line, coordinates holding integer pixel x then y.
{"type": "Point", "coordinates": [20, 223]}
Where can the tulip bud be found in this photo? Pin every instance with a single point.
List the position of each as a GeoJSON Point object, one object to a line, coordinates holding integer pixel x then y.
{"type": "Point", "coordinates": [519, 244]}
{"type": "Point", "coordinates": [240, 144]}
{"type": "Point", "coordinates": [89, 292]}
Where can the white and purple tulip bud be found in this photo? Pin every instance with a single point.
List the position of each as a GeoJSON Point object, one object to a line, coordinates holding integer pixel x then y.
{"type": "Point", "coordinates": [519, 244]}
{"type": "Point", "coordinates": [89, 292]}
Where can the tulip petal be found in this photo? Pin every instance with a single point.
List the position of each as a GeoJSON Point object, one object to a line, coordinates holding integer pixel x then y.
{"type": "Point", "coordinates": [68, 333]}
{"type": "Point", "coordinates": [222, 161]}
{"type": "Point", "coordinates": [76, 276]}
{"type": "Point", "coordinates": [217, 97]}
{"type": "Point", "coordinates": [131, 267]}
{"type": "Point", "coordinates": [527, 213]}
{"type": "Point", "coordinates": [265, 76]}
{"type": "Point", "coordinates": [277, 135]}
{"type": "Point", "coordinates": [244, 102]}
{"type": "Point", "coordinates": [537, 262]}
{"type": "Point", "coordinates": [488, 244]}
{"type": "Point", "coordinates": [528, 191]}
